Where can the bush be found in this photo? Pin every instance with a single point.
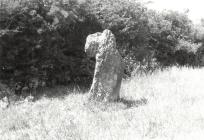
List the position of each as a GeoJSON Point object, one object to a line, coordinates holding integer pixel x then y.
{"type": "Point", "coordinates": [185, 53]}
{"type": "Point", "coordinates": [44, 40]}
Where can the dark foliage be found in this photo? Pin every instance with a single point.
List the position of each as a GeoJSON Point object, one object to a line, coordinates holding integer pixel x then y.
{"type": "Point", "coordinates": [42, 41]}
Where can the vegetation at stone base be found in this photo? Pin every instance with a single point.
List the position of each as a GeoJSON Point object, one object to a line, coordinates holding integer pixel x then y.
{"type": "Point", "coordinates": [42, 41]}
{"type": "Point", "coordinates": [166, 105]}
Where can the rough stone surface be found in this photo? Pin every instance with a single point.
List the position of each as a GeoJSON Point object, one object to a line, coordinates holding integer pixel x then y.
{"type": "Point", "coordinates": [109, 66]}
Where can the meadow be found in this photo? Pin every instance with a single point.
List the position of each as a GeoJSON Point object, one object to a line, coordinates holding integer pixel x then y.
{"type": "Point", "coordinates": [164, 105]}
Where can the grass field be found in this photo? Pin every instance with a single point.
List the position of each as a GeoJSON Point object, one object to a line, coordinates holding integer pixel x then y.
{"type": "Point", "coordinates": [167, 105]}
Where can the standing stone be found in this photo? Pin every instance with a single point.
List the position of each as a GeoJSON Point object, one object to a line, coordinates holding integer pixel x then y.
{"type": "Point", "coordinates": [109, 66]}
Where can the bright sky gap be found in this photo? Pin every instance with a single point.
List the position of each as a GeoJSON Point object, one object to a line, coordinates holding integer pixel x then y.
{"type": "Point", "coordinates": [195, 7]}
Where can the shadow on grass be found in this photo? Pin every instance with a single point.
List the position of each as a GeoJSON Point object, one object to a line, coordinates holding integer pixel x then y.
{"type": "Point", "coordinates": [133, 103]}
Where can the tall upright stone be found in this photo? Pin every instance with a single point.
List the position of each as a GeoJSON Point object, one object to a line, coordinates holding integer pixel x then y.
{"type": "Point", "coordinates": [109, 66]}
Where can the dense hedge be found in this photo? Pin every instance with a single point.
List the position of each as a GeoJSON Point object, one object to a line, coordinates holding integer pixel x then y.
{"type": "Point", "coordinates": [43, 40]}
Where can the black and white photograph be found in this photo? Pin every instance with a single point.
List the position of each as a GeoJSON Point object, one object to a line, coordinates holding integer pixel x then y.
{"type": "Point", "coordinates": [101, 70]}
